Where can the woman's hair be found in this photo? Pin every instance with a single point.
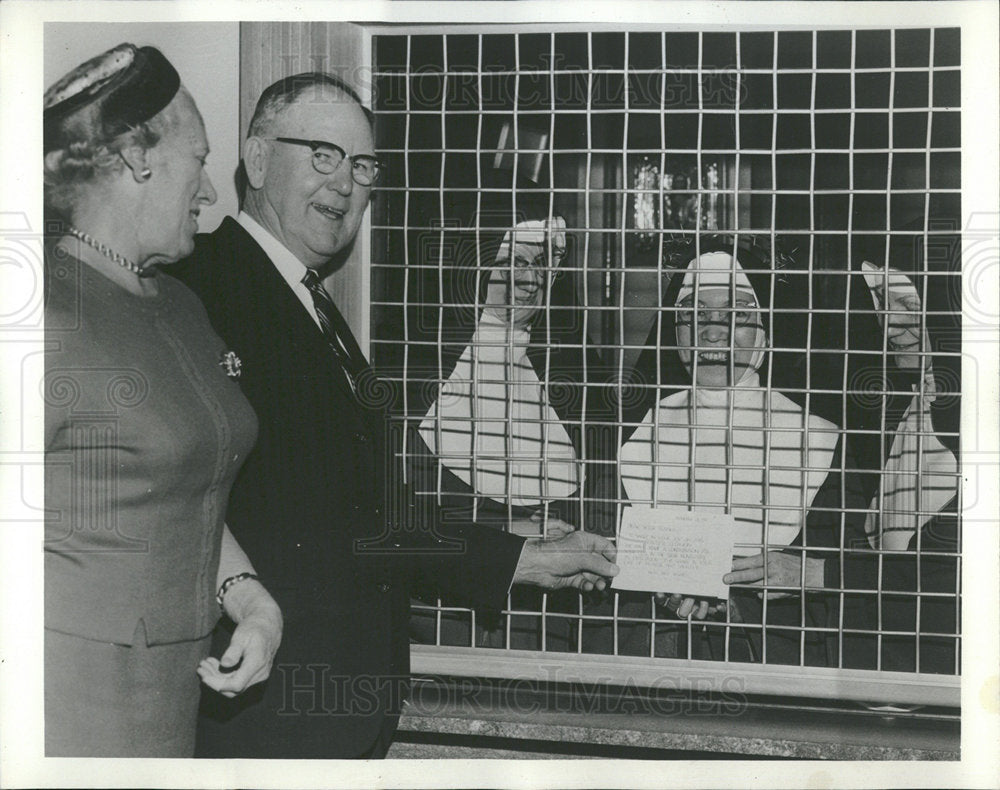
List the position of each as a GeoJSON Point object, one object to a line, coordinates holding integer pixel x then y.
{"type": "Point", "coordinates": [87, 156]}
{"type": "Point", "coordinates": [122, 98]}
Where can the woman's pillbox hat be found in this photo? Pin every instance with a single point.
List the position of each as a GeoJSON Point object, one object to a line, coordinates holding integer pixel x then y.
{"type": "Point", "coordinates": [131, 85]}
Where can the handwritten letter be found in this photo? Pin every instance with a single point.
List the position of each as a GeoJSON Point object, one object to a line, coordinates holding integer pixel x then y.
{"type": "Point", "coordinates": [671, 550]}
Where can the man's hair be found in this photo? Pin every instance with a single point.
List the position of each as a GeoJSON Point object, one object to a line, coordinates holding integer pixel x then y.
{"type": "Point", "coordinates": [277, 97]}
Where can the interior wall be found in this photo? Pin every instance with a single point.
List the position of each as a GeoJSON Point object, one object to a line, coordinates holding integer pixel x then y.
{"type": "Point", "coordinates": [206, 54]}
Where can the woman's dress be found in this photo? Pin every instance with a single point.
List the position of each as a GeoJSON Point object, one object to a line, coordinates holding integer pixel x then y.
{"type": "Point", "coordinates": [144, 435]}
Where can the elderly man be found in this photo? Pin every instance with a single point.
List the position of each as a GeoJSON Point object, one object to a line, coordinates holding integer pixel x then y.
{"type": "Point", "coordinates": [311, 505]}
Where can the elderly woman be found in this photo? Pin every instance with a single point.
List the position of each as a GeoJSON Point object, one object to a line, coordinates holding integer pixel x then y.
{"type": "Point", "coordinates": [144, 427]}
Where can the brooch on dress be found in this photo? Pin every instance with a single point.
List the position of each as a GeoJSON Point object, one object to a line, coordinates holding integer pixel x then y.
{"type": "Point", "coordinates": [231, 364]}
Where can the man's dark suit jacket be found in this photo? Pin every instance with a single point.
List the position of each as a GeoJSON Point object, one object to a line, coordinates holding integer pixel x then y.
{"type": "Point", "coordinates": [313, 487]}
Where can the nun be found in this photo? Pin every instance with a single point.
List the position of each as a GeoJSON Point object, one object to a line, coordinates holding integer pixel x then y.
{"type": "Point", "coordinates": [891, 347]}
{"type": "Point", "coordinates": [518, 424]}
{"type": "Point", "coordinates": [494, 425]}
{"type": "Point", "coordinates": [721, 437]}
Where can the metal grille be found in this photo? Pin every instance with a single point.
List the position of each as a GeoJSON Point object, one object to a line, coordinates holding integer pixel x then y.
{"type": "Point", "coordinates": [820, 171]}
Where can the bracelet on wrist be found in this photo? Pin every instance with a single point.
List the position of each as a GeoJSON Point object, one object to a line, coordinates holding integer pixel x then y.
{"type": "Point", "coordinates": [224, 587]}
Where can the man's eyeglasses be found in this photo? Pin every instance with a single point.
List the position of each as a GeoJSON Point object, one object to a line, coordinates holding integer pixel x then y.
{"type": "Point", "coordinates": [326, 158]}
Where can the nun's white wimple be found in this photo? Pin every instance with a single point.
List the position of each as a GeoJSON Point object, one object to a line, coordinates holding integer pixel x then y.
{"type": "Point", "coordinates": [536, 231]}
{"type": "Point", "coordinates": [714, 271]}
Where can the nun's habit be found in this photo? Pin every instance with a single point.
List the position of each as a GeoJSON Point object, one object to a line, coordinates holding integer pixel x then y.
{"type": "Point", "coordinates": [516, 429]}
{"type": "Point", "coordinates": [516, 424]}
{"type": "Point", "coordinates": [720, 436]}
{"type": "Point", "coordinates": [492, 425]}
{"type": "Point", "coordinates": [905, 443]}
{"type": "Point", "coordinates": [744, 449]}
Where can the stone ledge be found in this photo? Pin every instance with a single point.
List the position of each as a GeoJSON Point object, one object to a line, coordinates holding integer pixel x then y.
{"type": "Point", "coordinates": [458, 720]}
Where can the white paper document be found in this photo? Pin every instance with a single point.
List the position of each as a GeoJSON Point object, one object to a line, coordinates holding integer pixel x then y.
{"type": "Point", "coordinates": [671, 550]}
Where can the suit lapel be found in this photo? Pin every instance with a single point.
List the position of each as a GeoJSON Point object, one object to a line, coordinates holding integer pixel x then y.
{"type": "Point", "coordinates": [278, 304]}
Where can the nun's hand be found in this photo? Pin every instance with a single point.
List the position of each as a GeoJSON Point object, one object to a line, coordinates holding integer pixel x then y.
{"type": "Point", "coordinates": [689, 608]}
{"type": "Point", "coordinates": [900, 311]}
{"type": "Point", "coordinates": [781, 569]}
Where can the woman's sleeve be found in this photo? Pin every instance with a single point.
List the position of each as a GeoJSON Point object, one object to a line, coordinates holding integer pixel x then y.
{"type": "Point", "coordinates": [232, 559]}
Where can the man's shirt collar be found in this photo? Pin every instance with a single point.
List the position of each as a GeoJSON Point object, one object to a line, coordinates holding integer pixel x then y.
{"type": "Point", "coordinates": [290, 267]}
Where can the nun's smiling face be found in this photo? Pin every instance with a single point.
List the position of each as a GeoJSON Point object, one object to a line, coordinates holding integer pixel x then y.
{"type": "Point", "coordinates": [723, 330]}
{"type": "Point", "coordinates": [528, 285]}
{"type": "Point", "coordinates": [526, 280]}
{"type": "Point", "coordinates": [524, 270]}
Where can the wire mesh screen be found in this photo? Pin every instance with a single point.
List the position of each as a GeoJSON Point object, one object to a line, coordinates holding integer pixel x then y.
{"type": "Point", "coordinates": [703, 279]}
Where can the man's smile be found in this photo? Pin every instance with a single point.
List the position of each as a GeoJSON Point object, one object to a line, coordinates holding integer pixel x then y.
{"type": "Point", "coordinates": [330, 212]}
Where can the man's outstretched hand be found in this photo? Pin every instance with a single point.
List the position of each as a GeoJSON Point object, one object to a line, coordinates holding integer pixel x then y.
{"type": "Point", "coordinates": [579, 559]}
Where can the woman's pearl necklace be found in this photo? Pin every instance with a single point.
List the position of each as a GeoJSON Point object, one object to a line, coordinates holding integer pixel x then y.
{"type": "Point", "coordinates": [109, 253]}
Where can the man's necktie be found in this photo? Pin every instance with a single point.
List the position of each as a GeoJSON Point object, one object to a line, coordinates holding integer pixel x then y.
{"type": "Point", "coordinates": [333, 327]}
